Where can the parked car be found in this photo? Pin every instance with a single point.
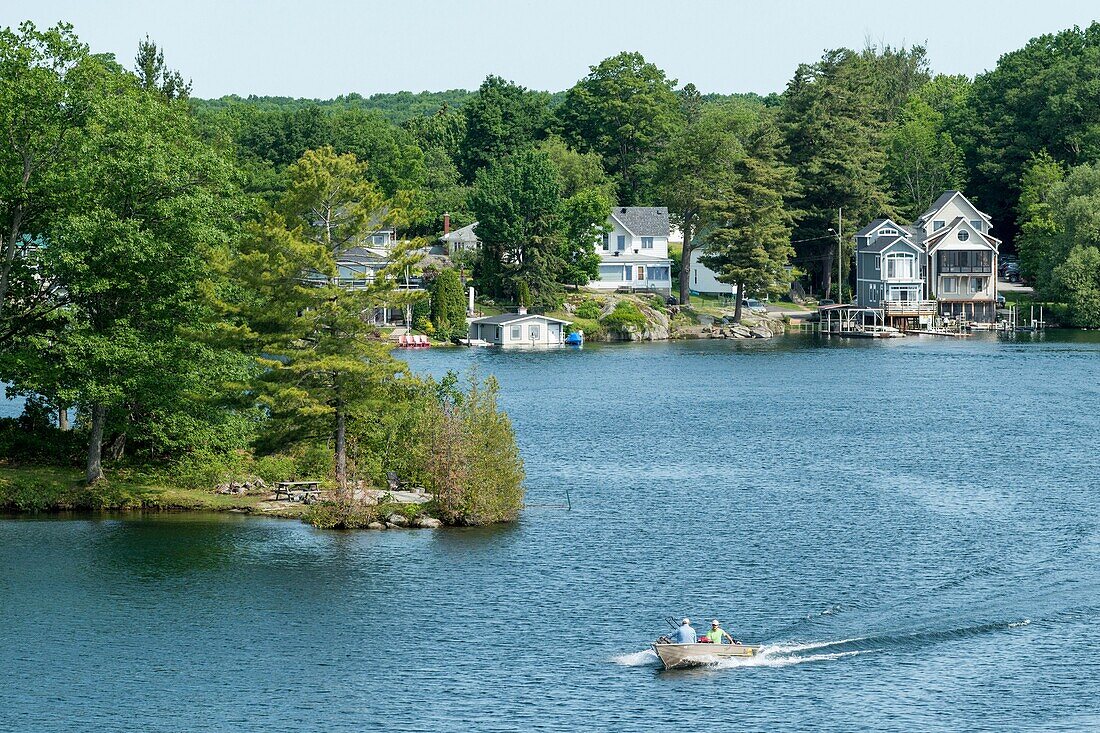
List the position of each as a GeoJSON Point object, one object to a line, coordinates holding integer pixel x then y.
{"type": "Point", "coordinates": [1010, 271]}
{"type": "Point", "coordinates": [1001, 301]}
{"type": "Point", "coordinates": [825, 301]}
{"type": "Point", "coordinates": [754, 305]}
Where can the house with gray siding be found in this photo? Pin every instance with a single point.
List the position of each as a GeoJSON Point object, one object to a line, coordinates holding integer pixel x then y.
{"type": "Point", "coordinates": [944, 263]}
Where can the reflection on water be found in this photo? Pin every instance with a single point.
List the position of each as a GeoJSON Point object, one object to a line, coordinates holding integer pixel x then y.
{"type": "Point", "coordinates": [909, 527]}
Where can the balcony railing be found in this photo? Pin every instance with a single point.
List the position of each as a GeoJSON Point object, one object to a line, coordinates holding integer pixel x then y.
{"type": "Point", "coordinates": [909, 307]}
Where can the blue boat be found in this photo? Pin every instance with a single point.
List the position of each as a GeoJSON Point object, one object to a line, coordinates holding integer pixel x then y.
{"type": "Point", "coordinates": [575, 339]}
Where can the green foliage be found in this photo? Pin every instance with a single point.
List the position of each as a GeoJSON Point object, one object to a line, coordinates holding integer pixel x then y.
{"type": "Point", "coordinates": [473, 465]}
{"type": "Point", "coordinates": [625, 317]}
{"type": "Point", "coordinates": [589, 309]}
{"type": "Point", "coordinates": [625, 110]}
{"type": "Point", "coordinates": [577, 172]}
{"type": "Point", "coordinates": [584, 217]}
{"type": "Point", "coordinates": [1040, 97]}
{"type": "Point", "coordinates": [833, 118]}
{"type": "Point", "coordinates": [448, 305]}
{"type": "Point", "coordinates": [699, 162]}
{"type": "Point", "coordinates": [502, 119]}
{"type": "Point", "coordinates": [924, 160]}
{"type": "Point", "coordinates": [750, 246]}
{"type": "Point", "coordinates": [1038, 220]}
{"type": "Point", "coordinates": [1079, 278]}
{"type": "Point", "coordinates": [523, 294]}
{"type": "Point", "coordinates": [422, 315]}
{"type": "Point", "coordinates": [1060, 236]}
{"type": "Point", "coordinates": [516, 201]}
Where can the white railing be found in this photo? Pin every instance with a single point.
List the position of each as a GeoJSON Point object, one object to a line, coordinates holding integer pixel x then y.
{"type": "Point", "coordinates": [905, 307]}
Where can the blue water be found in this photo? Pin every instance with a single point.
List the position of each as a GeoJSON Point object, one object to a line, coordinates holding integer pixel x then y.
{"type": "Point", "coordinates": [912, 527]}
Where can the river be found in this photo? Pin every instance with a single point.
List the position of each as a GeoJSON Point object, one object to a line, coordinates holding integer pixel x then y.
{"type": "Point", "coordinates": [912, 527]}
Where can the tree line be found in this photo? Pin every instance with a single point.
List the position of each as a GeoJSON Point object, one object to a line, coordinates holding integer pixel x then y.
{"type": "Point", "coordinates": [871, 131]}
{"type": "Point", "coordinates": [189, 316]}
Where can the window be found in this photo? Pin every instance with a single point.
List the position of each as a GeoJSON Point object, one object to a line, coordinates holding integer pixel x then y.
{"type": "Point", "coordinates": [951, 285]}
{"type": "Point", "coordinates": [899, 266]}
{"type": "Point", "coordinates": [660, 274]}
{"type": "Point", "coordinates": [937, 225]}
{"type": "Point", "coordinates": [887, 232]}
{"type": "Point", "coordinates": [535, 331]}
{"type": "Point", "coordinates": [695, 276]}
{"type": "Point", "coordinates": [378, 239]}
{"type": "Point", "coordinates": [878, 262]}
{"type": "Point", "coordinates": [963, 235]}
{"type": "Point", "coordinates": [628, 270]}
{"type": "Point", "coordinates": [977, 224]}
{"type": "Point", "coordinates": [611, 273]}
{"type": "Point", "coordinates": [620, 242]}
{"type": "Point", "coordinates": [641, 272]}
{"type": "Point", "coordinates": [647, 242]}
{"type": "Point", "coordinates": [977, 284]}
{"type": "Point", "coordinates": [517, 333]}
{"type": "Point", "coordinates": [966, 261]}
{"type": "Point", "coordinates": [606, 241]}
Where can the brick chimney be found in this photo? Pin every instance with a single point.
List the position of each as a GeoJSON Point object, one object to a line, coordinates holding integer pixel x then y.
{"type": "Point", "coordinates": [446, 224]}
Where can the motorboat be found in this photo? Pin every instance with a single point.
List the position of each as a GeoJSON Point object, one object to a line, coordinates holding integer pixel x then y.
{"type": "Point", "coordinates": [679, 656]}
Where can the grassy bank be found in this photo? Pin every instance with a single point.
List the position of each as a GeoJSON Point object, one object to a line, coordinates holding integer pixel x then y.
{"type": "Point", "coordinates": [52, 488]}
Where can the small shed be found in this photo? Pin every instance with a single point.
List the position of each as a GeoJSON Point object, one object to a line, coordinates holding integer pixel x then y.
{"type": "Point", "coordinates": [519, 329]}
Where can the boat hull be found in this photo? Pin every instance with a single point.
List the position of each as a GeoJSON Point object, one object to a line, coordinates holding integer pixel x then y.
{"type": "Point", "coordinates": [679, 656]}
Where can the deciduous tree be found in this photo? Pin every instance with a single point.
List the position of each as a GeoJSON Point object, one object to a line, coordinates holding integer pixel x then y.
{"type": "Point", "coordinates": [625, 110]}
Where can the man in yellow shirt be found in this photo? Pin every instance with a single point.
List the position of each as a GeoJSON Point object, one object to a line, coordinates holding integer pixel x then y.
{"type": "Point", "coordinates": [716, 633]}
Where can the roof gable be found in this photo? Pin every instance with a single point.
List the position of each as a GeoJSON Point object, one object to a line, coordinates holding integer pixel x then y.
{"type": "Point", "coordinates": [960, 223]}
{"type": "Point", "coordinates": [945, 198]}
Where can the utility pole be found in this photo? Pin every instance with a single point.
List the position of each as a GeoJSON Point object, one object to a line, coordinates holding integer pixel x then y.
{"type": "Point", "coordinates": [840, 255]}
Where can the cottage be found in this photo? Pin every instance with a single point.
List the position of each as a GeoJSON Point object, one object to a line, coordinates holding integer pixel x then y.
{"type": "Point", "coordinates": [945, 263]}
{"type": "Point", "coordinates": [463, 239]}
{"type": "Point", "coordinates": [634, 251]}
{"type": "Point", "coordinates": [519, 329]}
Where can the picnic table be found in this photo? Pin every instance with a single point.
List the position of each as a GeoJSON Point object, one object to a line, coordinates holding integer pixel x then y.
{"type": "Point", "coordinates": [298, 490]}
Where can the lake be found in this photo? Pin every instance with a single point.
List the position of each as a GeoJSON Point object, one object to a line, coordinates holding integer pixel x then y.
{"type": "Point", "coordinates": [911, 526]}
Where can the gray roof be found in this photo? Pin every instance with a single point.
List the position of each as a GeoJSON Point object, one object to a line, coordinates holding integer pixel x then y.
{"type": "Point", "coordinates": [884, 243]}
{"type": "Point", "coordinates": [509, 317]}
{"type": "Point", "coordinates": [938, 204]}
{"type": "Point", "coordinates": [643, 221]}
{"type": "Point", "coordinates": [464, 234]}
{"type": "Point", "coordinates": [871, 227]}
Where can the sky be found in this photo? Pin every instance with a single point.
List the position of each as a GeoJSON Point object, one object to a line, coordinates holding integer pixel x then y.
{"type": "Point", "coordinates": [325, 48]}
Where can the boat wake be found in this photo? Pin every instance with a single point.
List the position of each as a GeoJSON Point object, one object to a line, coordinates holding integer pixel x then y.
{"type": "Point", "coordinates": [785, 654]}
{"type": "Point", "coordinates": [644, 658]}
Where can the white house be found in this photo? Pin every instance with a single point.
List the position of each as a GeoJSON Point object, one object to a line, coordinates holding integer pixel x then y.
{"type": "Point", "coordinates": [961, 257]}
{"type": "Point", "coordinates": [702, 279]}
{"type": "Point", "coordinates": [634, 252]}
{"type": "Point", "coordinates": [519, 329]}
{"type": "Point", "coordinates": [463, 239]}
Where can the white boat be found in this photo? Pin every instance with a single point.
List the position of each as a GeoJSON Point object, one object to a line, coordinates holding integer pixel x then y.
{"type": "Point", "coordinates": [678, 656]}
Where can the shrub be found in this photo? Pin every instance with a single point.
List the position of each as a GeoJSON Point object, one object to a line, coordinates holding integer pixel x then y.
{"type": "Point", "coordinates": [334, 515]}
{"type": "Point", "coordinates": [474, 467]}
{"type": "Point", "coordinates": [589, 309]}
{"type": "Point", "coordinates": [448, 305]}
{"type": "Point", "coordinates": [625, 317]}
{"type": "Point", "coordinates": [421, 314]}
{"type": "Point", "coordinates": [205, 469]}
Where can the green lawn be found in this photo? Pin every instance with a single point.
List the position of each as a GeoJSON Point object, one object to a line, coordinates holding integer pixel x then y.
{"type": "Point", "coordinates": [51, 488]}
